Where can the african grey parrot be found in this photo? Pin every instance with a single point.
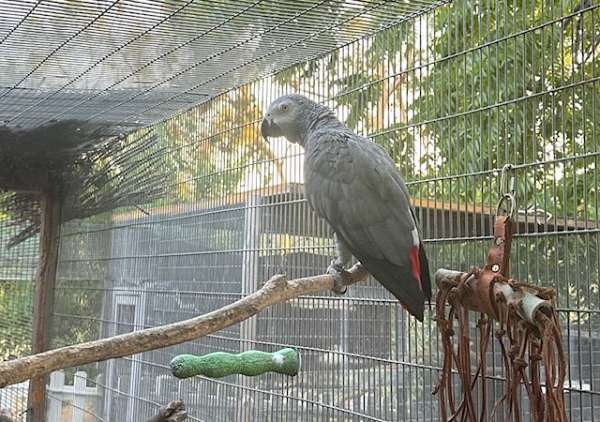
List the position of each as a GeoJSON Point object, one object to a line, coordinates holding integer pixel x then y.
{"type": "Point", "coordinates": [355, 186]}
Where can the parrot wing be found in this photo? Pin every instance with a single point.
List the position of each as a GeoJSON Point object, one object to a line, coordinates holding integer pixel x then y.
{"type": "Point", "coordinates": [354, 185]}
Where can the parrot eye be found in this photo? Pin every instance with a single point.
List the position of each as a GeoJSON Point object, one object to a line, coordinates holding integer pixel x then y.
{"type": "Point", "coordinates": [283, 107]}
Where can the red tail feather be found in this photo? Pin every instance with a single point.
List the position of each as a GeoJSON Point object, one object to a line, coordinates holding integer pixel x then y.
{"type": "Point", "coordinates": [415, 265]}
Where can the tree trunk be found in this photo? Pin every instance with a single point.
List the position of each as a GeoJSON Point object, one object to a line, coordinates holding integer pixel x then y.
{"type": "Point", "coordinates": [43, 300]}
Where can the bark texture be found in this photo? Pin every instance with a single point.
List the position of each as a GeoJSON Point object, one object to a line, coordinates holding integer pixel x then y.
{"type": "Point", "coordinates": [174, 411]}
{"type": "Point", "coordinates": [43, 300]}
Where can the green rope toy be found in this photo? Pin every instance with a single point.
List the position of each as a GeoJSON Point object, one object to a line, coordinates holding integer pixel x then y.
{"type": "Point", "coordinates": [251, 363]}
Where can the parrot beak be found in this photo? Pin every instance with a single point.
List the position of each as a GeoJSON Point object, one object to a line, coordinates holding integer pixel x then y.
{"type": "Point", "coordinates": [264, 130]}
{"type": "Point", "coordinates": [268, 128]}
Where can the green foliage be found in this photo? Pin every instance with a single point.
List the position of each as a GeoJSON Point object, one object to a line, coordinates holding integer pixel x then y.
{"type": "Point", "coordinates": [520, 99]}
{"type": "Point", "coordinates": [15, 318]}
{"type": "Point", "coordinates": [209, 147]}
{"type": "Point", "coordinates": [76, 309]}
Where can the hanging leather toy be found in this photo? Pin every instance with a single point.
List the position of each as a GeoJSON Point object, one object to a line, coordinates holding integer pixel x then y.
{"type": "Point", "coordinates": [526, 328]}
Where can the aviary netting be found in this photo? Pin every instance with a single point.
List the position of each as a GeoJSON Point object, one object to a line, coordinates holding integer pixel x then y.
{"type": "Point", "coordinates": [65, 111]}
{"type": "Point", "coordinates": [93, 168]}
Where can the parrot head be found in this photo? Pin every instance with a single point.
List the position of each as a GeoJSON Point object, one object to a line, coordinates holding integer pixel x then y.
{"type": "Point", "coordinates": [292, 116]}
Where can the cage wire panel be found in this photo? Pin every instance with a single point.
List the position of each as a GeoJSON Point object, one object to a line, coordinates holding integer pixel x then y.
{"type": "Point", "coordinates": [139, 61]}
{"type": "Point", "coordinates": [17, 274]}
{"type": "Point", "coordinates": [452, 94]}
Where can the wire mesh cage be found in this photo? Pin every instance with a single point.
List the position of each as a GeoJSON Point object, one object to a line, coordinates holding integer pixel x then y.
{"type": "Point", "coordinates": [17, 274]}
{"type": "Point", "coordinates": [452, 92]}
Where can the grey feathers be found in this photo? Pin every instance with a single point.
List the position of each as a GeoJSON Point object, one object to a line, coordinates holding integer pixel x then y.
{"type": "Point", "coordinates": [356, 187]}
{"type": "Point", "coordinates": [353, 184]}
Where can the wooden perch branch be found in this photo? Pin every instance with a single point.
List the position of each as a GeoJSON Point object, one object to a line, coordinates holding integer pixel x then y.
{"type": "Point", "coordinates": [277, 290]}
{"type": "Point", "coordinates": [174, 411]}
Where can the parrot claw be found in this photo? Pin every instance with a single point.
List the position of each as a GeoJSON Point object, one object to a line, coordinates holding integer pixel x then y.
{"type": "Point", "coordinates": [340, 277]}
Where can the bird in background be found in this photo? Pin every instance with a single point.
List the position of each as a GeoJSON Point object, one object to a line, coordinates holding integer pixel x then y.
{"type": "Point", "coordinates": [355, 186]}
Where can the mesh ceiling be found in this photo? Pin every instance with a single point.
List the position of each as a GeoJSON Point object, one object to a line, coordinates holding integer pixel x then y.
{"type": "Point", "coordinates": [136, 62]}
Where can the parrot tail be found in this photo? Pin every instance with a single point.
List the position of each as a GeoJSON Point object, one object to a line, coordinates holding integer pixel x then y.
{"type": "Point", "coordinates": [419, 265]}
{"type": "Point", "coordinates": [402, 282]}
{"type": "Point", "coordinates": [424, 273]}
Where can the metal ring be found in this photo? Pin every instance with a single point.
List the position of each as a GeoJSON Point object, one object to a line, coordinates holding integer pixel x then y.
{"type": "Point", "coordinates": [511, 200]}
{"type": "Point", "coordinates": [504, 188]}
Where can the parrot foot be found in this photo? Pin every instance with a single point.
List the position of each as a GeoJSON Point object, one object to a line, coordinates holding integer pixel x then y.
{"type": "Point", "coordinates": [340, 277]}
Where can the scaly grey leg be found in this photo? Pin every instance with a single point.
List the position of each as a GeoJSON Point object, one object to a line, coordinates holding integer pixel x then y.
{"type": "Point", "coordinates": [337, 268]}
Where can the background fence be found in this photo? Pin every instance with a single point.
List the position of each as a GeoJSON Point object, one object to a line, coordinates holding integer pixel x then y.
{"type": "Point", "coordinates": [17, 273]}
{"type": "Point", "coordinates": [453, 94]}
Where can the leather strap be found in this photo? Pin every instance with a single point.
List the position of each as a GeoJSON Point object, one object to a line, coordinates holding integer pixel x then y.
{"type": "Point", "coordinates": [499, 255]}
{"type": "Point", "coordinates": [525, 356]}
{"type": "Point", "coordinates": [498, 264]}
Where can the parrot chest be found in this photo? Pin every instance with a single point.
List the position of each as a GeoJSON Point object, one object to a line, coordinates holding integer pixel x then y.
{"type": "Point", "coordinates": [329, 168]}
{"type": "Point", "coordinates": [329, 158]}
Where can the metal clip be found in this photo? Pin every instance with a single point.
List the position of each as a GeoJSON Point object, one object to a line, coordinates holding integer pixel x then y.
{"type": "Point", "coordinates": [507, 186]}
{"type": "Point", "coordinates": [507, 191]}
{"type": "Point", "coordinates": [510, 209]}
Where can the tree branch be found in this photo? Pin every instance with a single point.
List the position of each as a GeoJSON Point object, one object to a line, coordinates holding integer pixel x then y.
{"type": "Point", "coordinates": [277, 290]}
{"type": "Point", "coordinates": [174, 411]}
